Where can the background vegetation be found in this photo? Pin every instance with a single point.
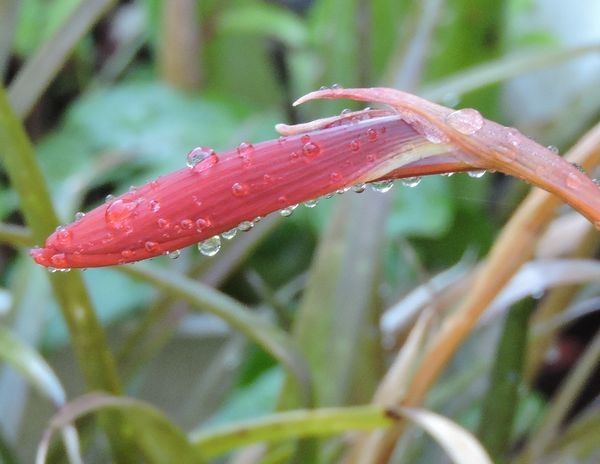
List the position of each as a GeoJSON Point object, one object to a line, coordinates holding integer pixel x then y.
{"type": "Point", "coordinates": [355, 305]}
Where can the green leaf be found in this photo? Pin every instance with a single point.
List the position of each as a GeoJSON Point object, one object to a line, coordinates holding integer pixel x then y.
{"type": "Point", "coordinates": [158, 438]}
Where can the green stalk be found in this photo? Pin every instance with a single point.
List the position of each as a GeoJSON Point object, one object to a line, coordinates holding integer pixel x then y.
{"type": "Point", "coordinates": [88, 338]}
{"type": "Point", "coordinates": [500, 404]}
{"type": "Point", "coordinates": [289, 425]}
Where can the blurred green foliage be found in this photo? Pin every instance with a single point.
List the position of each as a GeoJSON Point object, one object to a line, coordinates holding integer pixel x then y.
{"type": "Point", "coordinates": [111, 118]}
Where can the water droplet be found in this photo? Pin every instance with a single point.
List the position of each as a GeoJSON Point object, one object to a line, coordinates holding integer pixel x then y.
{"type": "Point", "coordinates": [154, 206]}
{"type": "Point", "coordinates": [59, 260]}
{"type": "Point", "coordinates": [152, 247]}
{"type": "Point", "coordinates": [282, 140]}
{"type": "Point", "coordinates": [477, 174]}
{"type": "Point", "coordinates": [109, 198]}
{"type": "Point", "coordinates": [336, 86]}
{"type": "Point", "coordinates": [257, 219]}
{"type": "Point", "coordinates": [127, 254]}
{"type": "Point", "coordinates": [163, 223]}
{"type": "Point", "coordinates": [371, 158]}
{"type": "Point", "coordinates": [119, 213]}
{"type": "Point", "coordinates": [245, 148]}
{"type": "Point", "coordinates": [466, 121]}
{"type": "Point", "coordinates": [323, 87]}
{"type": "Point", "coordinates": [346, 111]}
{"type": "Point", "coordinates": [229, 234]}
{"type": "Point", "coordinates": [63, 235]}
{"type": "Point", "coordinates": [372, 134]}
{"type": "Point", "coordinates": [79, 215]}
{"type": "Point", "coordinates": [245, 226]}
{"type": "Point", "coordinates": [447, 174]}
{"type": "Point", "coordinates": [573, 181]}
{"type": "Point", "coordinates": [240, 189]}
{"type": "Point", "coordinates": [382, 186]}
{"type": "Point", "coordinates": [553, 149]}
{"type": "Point", "coordinates": [294, 156]}
{"type": "Point", "coordinates": [197, 155]}
{"type": "Point", "coordinates": [202, 224]}
{"type": "Point", "coordinates": [411, 181]}
{"type": "Point", "coordinates": [311, 149]}
{"type": "Point", "coordinates": [174, 254]}
{"type": "Point", "coordinates": [186, 224]}
{"type": "Point", "coordinates": [359, 188]}
{"type": "Point", "coordinates": [311, 203]}
{"type": "Point", "coordinates": [434, 135]}
{"type": "Point", "coordinates": [286, 212]}
{"type": "Point", "coordinates": [355, 145]}
{"type": "Point", "coordinates": [210, 246]}
{"type": "Point", "coordinates": [305, 138]}
{"type": "Point", "coordinates": [335, 177]}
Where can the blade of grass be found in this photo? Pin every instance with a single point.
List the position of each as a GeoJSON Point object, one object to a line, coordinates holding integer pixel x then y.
{"type": "Point", "coordinates": [17, 236]}
{"type": "Point", "coordinates": [37, 73]}
{"type": "Point", "coordinates": [500, 403]}
{"type": "Point", "coordinates": [291, 424]}
{"type": "Point", "coordinates": [272, 339]}
{"type": "Point", "coordinates": [502, 69]}
{"type": "Point", "coordinates": [88, 338]}
{"type": "Point", "coordinates": [160, 440]}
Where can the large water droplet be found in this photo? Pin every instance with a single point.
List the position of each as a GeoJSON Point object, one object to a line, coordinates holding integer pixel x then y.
{"type": "Point", "coordinates": [245, 148]}
{"type": "Point", "coordinates": [466, 121]}
{"type": "Point", "coordinates": [240, 189]}
{"type": "Point", "coordinates": [229, 234]}
{"type": "Point", "coordinates": [210, 246]}
{"type": "Point", "coordinates": [359, 188]}
{"type": "Point", "coordinates": [311, 203]}
{"type": "Point", "coordinates": [287, 211]}
{"type": "Point", "coordinates": [477, 174]}
{"type": "Point", "coordinates": [382, 186]}
{"type": "Point", "coordinates": [197, 155]}
{"type": "Point", "coordinates": [311, 149]}
{"type": "Point", "coordinates": [119, 213]}
{"type": "Point", "coordinates": [411, 181]}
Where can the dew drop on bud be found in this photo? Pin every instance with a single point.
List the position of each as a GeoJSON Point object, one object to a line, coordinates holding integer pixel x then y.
{"type": "Point", "coordinates": [154, 206]}
{"type": "Point", "coordinates": [197, 155]}
{"type": "Point", "coordinates": [59, 260]}
{"type": "Point", "coordinates": [286, 212]}
{"type": "Point", "coordinates": [229, 234]}
{"type": "Point", "coordinates": [477, 174]}
{"type": "Point", "coordinates": [335, 177]}
{"type": "Point", "coordinates": [553, 149]}
{"type": "Point", "coordinates": [466, 121]}
{"type": "Point", "coordinates": [210, 246]}
{"type": "Point", "coordinates": [202, 224]}
{"type": "Point", "coordinates": [355, 145]}
{"type": "Point", "coordinates": [411, 181]}
{"type": "Point", "coordinates": [311, 203]}
{"type": "Point", "coordinates": [323, 87]}
{"type": "Point", "coordinates": [346, 111]}
{"type": "Point", "coordinates": [162, 223]}
{"type": "Point", "coordinates": [173, 254]}
{"type": "Point", "coordinates": [447, 174]}
{"type": "Point", "coordinates": [186, 224]}
{"type": "Point", "coordinates": [573, 181]}
{"type": "Point", "coordinates": [336, 86]}
{"type": "Point", "coordinates": [311, 149]}
{"type": "Point", "coordinates": [372, 134]}
{"type": "Point", "coordinates": [79, 215]}
{"type": "Point", "coordinates": [245, 148]}
{"type": "Point", "coordinates": [63, 235]}
{"type": "Point", "coordinates": [239, 189]}
{"type": "Point", "coordinates": [151, 247]}
{"type": "Point", "coordinates": [245, 226]}
{"type": "Point", "coordinates": [119, 213]}
{"type": "Point", "coordinates": [359, 188]}
{"type": "Point", "coordinates": [109, 198]}
{"type": "Point", "coordinates": [382, 186]}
